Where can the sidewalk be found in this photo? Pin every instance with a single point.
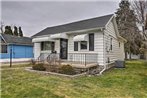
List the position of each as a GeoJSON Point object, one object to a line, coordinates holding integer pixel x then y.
{"type": "Point", "coordinates": [14, 63]}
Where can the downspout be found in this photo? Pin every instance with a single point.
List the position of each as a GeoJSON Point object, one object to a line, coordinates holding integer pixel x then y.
{"type": "Point", "coordinates": [104, 66]}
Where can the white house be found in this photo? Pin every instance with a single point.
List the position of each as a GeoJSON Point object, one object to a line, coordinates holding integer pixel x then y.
{"type": "Point", "coordinates": [91, 40]}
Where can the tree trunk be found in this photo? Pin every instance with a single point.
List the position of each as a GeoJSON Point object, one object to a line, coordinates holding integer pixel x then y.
{"type": "Point", "coordinates": [126, 56]}
{"type": "Point", "coordinates": [130, 56]}
{"type": "Point", "coordinates": [129, 51]}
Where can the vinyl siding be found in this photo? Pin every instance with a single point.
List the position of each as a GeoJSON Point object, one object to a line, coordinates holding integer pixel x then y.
{"type": "Point", "coordinates": [18, 51]}
{"type": "Point", "coordinates": [117, 53]}
{"type": "Point", "coordinates": [98, 47]}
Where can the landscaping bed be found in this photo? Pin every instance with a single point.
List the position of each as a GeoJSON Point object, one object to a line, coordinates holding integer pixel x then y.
{"type": "Point", "coordinates": [58, 70]}
{"type": "Point", "coordinates": [55, 73]}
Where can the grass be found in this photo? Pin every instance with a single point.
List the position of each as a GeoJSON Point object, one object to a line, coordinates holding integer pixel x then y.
{"type": "Point", "coordinates": [130, 82]}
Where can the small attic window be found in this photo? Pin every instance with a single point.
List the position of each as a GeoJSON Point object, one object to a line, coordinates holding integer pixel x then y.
{"type": "Point", "coordinates": [111, 44]}
{"type": "Point", "coordinates": [119, 44]}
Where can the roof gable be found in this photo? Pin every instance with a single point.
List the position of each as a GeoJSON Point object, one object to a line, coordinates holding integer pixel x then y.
{"type": "Point", "coordinates": [79, 25]}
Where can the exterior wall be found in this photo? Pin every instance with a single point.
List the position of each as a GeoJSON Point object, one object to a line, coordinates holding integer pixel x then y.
{"type": "Point", "coordinates": [98, 47]}
{"type": "Point", "coordinates": [18, 51]}
{"type": "Point", "coordinates": [117, 53]}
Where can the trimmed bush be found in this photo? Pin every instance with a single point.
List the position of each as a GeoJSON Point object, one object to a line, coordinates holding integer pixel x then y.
{"type": "Point", "coordinates": [66, 69]}
{"type": "Point", "coordinates": [39, 67]}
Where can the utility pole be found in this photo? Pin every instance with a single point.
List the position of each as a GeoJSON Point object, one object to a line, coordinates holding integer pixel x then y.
{"type": "Point", "coordinates": [11, 56]}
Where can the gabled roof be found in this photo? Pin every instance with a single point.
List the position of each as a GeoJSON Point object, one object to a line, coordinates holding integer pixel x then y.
{"type": "Point", "coordinates": [79, 25]}
{"type": "Point", "coordinates": [10, 39]}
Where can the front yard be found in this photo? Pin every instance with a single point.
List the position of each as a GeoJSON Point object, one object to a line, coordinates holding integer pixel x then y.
{"type": "Point", "coordinates": [130, 82]}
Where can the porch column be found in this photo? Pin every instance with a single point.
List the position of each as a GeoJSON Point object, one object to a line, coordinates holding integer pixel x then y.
{"type": "Point", "coordinates": [36, 50]}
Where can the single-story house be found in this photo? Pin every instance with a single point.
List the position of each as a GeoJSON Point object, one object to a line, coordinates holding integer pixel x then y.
{"type": "Point", "coordinates": [19, 48]}
{"type": "Point", "coordinates": [91, 40]}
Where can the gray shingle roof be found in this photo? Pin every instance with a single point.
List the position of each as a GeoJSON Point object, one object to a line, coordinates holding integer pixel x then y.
{"type": "Point", "coordinates": [10, 39]}
{"type": "Point", "coordinates": [79, 25]}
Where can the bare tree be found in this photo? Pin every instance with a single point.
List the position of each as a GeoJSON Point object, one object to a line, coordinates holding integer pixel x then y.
{"type": "Point", "coordinates": [1, 27]}
{"type": "Point", "coordinates": [140, 8]}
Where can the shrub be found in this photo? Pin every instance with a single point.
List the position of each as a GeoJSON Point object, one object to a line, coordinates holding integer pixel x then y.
{"type": "Point", "coordinates": [33, 62]}
{"type": "Point", "coordinates": [39, 67]}
{"type": "Point", "coordinates": [66, 69]}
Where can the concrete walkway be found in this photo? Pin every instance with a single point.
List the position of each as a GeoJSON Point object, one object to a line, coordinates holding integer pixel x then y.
{"type": "Point", "coordinates": [14, 63]}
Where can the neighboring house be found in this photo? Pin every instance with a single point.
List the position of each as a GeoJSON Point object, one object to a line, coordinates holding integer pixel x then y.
{"type": "Point", "coordinates": [92, 40]}
{"type": "Point", "coordinates": [21, 48]}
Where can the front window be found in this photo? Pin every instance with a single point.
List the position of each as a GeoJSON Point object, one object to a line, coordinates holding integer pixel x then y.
{"type": "Point", "coordinates": [83, 44]}
{"type": "Point", "coordinates": [4, 49]}
{"type": "Point", "coordinates": [47, 46]}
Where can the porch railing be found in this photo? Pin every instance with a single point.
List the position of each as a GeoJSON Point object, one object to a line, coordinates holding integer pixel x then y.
{"type": "Point", "coordinates": [79, 58]}
{"type": "Point", "coordinates": [83, 58]}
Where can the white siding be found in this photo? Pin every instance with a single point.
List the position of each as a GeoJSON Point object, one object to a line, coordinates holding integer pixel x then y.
{"type": "Point", "coordinates": [98, 47]}
{"type": "Point", "coordinates": [36, 50]}
{"type": "Point", "coordinates": [117, 53]}
{"type": "Point", "coordinates": [57, 46]}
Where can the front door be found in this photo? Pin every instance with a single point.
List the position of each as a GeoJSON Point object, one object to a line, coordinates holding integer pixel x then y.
{"type": "Point", "coordinates": [63, 48]}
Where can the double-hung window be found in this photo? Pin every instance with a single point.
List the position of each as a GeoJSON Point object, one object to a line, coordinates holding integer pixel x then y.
{"type": "Point", "coordinates": [4, 49]}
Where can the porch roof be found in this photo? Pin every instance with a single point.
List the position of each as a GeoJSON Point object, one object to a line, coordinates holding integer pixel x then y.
{"type": "Point", "coordinates": [42, 39]}
{"type": "Point", "coordinates": [59, 35]}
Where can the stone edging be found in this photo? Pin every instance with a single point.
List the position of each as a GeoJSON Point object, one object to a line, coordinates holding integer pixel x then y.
{"type": "Point", "coordinates": [53, 73]}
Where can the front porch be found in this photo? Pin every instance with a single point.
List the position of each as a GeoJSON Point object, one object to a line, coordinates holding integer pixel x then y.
{"type": "Point", "coordinates": [76, 60]}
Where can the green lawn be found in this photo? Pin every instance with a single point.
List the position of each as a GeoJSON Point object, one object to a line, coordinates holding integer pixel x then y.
{"type": "Point", "coordinates": [130, 82]}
